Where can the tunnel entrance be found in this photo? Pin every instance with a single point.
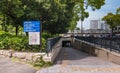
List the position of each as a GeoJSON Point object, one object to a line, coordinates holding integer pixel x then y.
{"type": "Point", "coordinates": [66, 43]}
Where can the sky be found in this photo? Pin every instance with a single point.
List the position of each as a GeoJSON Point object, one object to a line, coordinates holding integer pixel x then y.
{"type": "Point", "coordinates": [110, 6]}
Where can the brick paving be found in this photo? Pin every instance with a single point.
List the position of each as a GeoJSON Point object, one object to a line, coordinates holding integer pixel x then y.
{"type": "Point", "coordinates": [74, 61]}
{"type": "Point", "coordinates": [7, 66]}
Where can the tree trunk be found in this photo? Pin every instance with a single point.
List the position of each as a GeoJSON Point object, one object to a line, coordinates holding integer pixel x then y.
{"type": "Point", "coordinates": [16, 30]}
{"type": "Point", "coordinates": [26, 33]}
{"type": "Point", "coordinates": [4, 27]}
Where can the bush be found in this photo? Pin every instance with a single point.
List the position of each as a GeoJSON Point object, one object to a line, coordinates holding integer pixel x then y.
{"type": "Point", "coordinates": [4, 40]}
{"type": "Point", "coordinates": [46, 35]}
{"type": "Point", "coordinates": [42, 63]}
{"type": "Point", "coordinates": [19, 43]}
{"type": "Point", "coordinates": [4, 33]}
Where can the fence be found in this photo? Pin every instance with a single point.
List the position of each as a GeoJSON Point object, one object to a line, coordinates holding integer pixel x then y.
{"type": "Point", "coordinates": [112, 44]}
{"type": "Point", "coordinates": [51, 42]}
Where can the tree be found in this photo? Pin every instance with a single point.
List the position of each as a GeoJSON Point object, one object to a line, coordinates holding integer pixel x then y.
{"type": "Point", "coordinates": [109, 20]}
{"type": "Point", "coordinates": [79, 10]}
{"type": "Point", "coordinates": [118, 11]}
{"type": "Point", "coordinates": [77, 28]}
{"type": "Point", "coordinates": [83, 15]}
{"type": "Point", "coordinates": [11, 10]}
{"type": "Point", "coordinates": [56, 16]}
{"type": "Point", "coordinates": [112, 19]}
{"type": "Point", "coordinates": [117, 17]}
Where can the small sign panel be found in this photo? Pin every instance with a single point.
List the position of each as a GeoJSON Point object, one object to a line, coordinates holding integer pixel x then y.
{"type": "Point", "coordinates": [31, 26]}
{"type": "Point", "coordinates": [34, 38]}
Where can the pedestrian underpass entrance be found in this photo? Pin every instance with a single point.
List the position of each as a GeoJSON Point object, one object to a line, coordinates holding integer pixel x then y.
{"type": "Point", "coordinates": [66, 43]}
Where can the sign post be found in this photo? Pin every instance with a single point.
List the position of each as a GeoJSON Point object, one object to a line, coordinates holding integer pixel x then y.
{"type": "Point", "coordinates": [33, 28]}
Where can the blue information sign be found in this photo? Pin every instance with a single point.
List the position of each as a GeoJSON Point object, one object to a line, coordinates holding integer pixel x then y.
{"type": "Point", "coordinates": [31, 26]}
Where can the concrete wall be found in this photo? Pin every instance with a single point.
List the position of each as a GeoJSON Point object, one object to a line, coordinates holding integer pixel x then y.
{"type": "Point", "coordinates": [96, 51]}
{"type": "Point", "coordinates": [55, 51]}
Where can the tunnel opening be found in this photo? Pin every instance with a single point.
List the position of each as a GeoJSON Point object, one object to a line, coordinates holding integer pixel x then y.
{"type": "Point", "coordinates": [66, 43]}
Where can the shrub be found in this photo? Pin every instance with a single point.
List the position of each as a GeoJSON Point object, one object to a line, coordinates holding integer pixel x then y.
{"type": "Point", "coordinates": [19, 43]}
{"type": "Point", "coordinates": [46, 35]}
{"type": "Point", "coordinates": [42, 63]}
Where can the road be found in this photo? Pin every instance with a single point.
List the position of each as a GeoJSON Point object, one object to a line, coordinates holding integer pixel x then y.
{"type": "Point", "coordinates": [73, 61]}
{"type": "Point", "coordinates": [7, 66]}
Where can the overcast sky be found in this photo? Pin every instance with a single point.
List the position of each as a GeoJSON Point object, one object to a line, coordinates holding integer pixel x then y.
{"type": "Point", "coordinates": [110, 6]}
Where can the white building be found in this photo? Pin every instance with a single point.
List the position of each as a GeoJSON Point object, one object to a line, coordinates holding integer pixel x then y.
{"type": "Point", "coordinates": [104, 27]}
{"type": "Point", "coordinates": [94, 24]}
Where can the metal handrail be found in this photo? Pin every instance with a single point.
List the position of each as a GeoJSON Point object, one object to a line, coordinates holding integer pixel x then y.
{"type": "Point", "coordinates": [108, 43]}
{"type": "Point", "coordinates": [51, 42]}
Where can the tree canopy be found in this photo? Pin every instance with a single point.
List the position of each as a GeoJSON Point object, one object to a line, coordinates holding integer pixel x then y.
{"type": "Point", "coordinates": [112, 19]}
{"type": "Point", "coordinates": [56, 16]}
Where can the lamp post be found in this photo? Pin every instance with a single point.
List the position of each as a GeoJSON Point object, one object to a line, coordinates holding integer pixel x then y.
{"type": "Point", "coordinates": [111, 28]}
{"type": "Point", "coordinates": [111, 35]}
{"type": "Point", "coordinates": [81, 28]}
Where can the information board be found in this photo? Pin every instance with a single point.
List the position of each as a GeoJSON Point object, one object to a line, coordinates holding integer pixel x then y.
{"type": "Point", "coordinates": [31, 26]}
{"type": "Point", "coordinates": [34, 38]}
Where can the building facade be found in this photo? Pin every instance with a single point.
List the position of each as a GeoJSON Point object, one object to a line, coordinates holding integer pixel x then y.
{"type": "Point", "coordinates": [94, 24]}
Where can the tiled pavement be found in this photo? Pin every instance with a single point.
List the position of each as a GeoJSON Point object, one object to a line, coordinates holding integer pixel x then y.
{"type": "Point", "coordinates": [74, 61]}
{"type": "Point", "coordinates": [7, 66]}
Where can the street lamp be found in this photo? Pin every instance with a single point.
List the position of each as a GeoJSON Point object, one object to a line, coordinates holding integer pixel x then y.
{"type": "Point", "coordinates": [111, 35]}
{"type": "Point", "coordinates": [81, 28]}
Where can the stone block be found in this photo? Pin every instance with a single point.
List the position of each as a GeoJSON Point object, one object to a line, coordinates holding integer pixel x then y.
{"type": "Point", "coordinates": [7, 53]}
{"type": "Point", "coordinates": [1, 52]}
{"type": "Point", "coordinates": [36, 58]}
{"type": "Point", "coordinates": [29, 57]}
{"type": "Point", "coordinates": [20, 55]}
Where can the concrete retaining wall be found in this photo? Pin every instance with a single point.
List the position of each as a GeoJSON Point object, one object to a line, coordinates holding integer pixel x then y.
{"type": "Point", "coordinates": [56, 50]}
{"type": "Point", "coordinates": [96, 51]}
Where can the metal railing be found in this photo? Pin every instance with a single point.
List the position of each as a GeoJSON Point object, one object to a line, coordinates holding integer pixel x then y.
{"type": "Point", "coordinates": [51, 42]}
{"type": "Point", "coordinates": [112, 44]}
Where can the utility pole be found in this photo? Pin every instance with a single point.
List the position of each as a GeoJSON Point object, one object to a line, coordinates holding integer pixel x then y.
{"type": "Point", "coordinates": [81, 28]}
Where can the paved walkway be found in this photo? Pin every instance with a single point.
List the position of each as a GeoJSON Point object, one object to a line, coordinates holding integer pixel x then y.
{"type": "Point", "coordinates": [74, 61]}
{"type": "Point", "coordinates": [7, 66]}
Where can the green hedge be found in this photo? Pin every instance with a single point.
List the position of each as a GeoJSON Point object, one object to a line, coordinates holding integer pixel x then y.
{"type": "Point", "coordinates": [19, 43]}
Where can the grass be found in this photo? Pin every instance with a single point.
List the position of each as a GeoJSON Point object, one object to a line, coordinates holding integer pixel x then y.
{"type": "Point", "coordinates": [36, 65]}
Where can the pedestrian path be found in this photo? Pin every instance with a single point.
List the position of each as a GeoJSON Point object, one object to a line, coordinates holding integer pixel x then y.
{"type": "Point", "coordinates": [7, 66]}
{"type": "Point", "coordinates": [74, 61]}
